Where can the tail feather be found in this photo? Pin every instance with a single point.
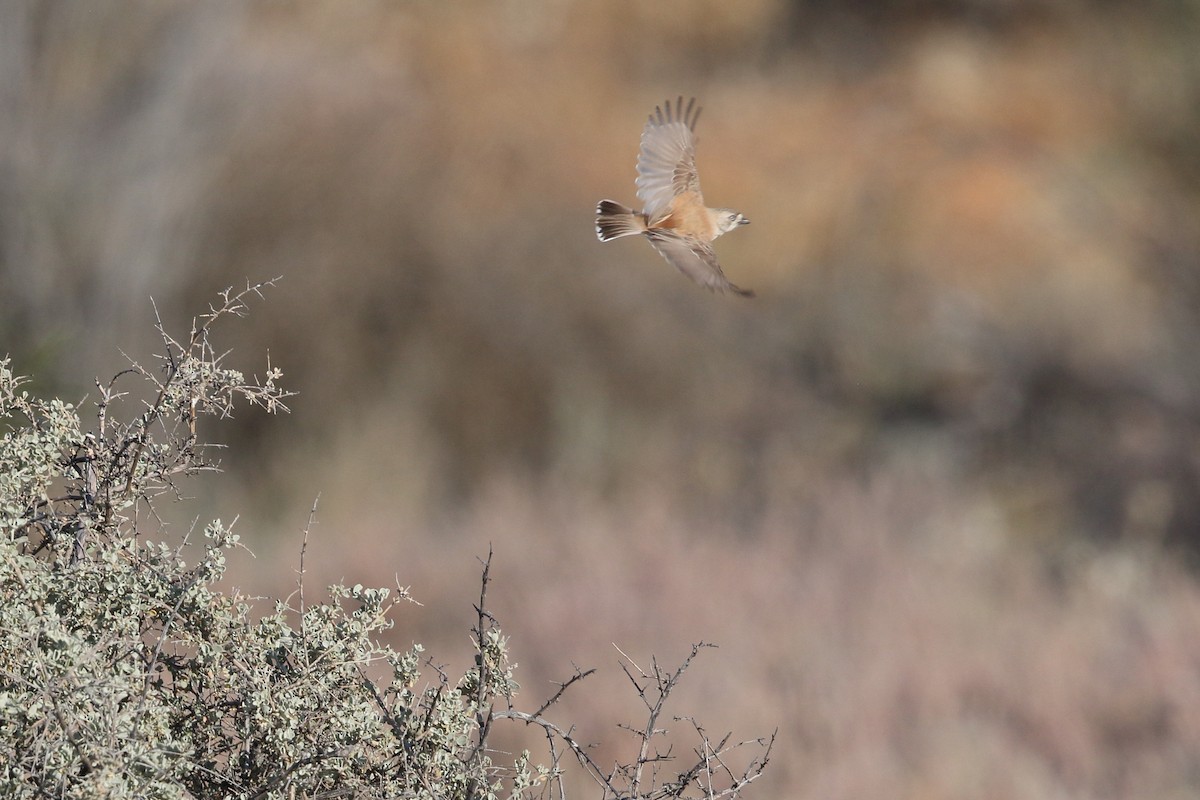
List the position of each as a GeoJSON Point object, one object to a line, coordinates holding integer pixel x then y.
{"type": "Point", "coordinates": [614, 220]}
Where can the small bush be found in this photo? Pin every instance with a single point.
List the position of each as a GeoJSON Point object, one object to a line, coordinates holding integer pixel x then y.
{"type": "Point", "coordinates": [124, 672]}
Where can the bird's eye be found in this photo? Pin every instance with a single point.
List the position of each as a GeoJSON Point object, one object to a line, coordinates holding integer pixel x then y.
{"type": "Point", "coordinates": [732, 217]}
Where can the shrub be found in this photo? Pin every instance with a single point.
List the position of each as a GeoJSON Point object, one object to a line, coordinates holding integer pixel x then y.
{"type": "Point", "coordinates": [125, 672]}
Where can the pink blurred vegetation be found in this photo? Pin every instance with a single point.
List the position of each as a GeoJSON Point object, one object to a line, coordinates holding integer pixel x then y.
{"type": "Point", "coordinates": [934, 492]}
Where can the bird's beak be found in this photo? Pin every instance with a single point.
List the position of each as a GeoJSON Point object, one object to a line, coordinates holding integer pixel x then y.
{"type": "Point", "coordinates": [743, 221]}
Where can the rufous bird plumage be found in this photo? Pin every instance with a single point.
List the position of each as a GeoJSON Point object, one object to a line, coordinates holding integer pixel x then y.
{"type": "Point", "coordinates": [673, 217]}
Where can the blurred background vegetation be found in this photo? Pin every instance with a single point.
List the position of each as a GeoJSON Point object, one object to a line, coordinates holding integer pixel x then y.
{"type": "Point", "coordinates": [934, 491]}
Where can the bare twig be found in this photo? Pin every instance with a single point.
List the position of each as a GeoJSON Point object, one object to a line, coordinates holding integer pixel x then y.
{"type": "Point", "coordinates": [312, 518]}
{"type": "Point", "coordinates": [709, 777]}
{"type": "Point", "coordinates": [484, 623]}
{"type": "Point", "coordinates": [562, 687]}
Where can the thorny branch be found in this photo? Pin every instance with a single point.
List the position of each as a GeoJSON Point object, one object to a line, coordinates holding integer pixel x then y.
{"type": "Point", "coordinates": [178, 356]}
{"type": "Point", "coordinates": [118, 465]}
{"type": "Point", "coordinates": [709, 777]}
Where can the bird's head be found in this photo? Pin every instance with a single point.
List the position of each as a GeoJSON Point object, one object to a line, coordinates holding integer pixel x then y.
{"type": "Point", "coordinates": [727, 219]}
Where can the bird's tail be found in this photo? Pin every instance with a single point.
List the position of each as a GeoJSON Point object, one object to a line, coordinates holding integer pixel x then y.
{"type": "Point", "coordinates": [614, 220]}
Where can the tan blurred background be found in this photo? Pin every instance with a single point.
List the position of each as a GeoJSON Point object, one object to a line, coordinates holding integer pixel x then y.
{"type": "Point", "coordinates": [934, 491]}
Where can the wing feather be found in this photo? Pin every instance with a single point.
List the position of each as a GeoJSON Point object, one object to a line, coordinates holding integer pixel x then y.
{"type": "Point", "coordinates": [666, 164]}
{"type": "Point", "coordinates": [695, 259]}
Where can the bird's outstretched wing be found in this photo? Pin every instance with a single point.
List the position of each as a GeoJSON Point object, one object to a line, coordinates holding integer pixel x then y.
{"type": "Point", "coordinates": [666, 164]}
{"type": "Point", "coordinates": [693, 258]}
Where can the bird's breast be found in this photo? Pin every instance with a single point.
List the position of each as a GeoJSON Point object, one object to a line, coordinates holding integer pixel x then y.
{"type": "Point", "coordinates": [688, 216]}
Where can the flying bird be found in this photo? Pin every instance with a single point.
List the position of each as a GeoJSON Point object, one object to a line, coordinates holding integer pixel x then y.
{"type": "Point", "coordinates": [673, 216]}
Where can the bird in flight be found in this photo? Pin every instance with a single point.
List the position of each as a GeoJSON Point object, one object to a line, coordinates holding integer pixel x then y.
{"type": "Point", "coordinates": [673, 216]}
